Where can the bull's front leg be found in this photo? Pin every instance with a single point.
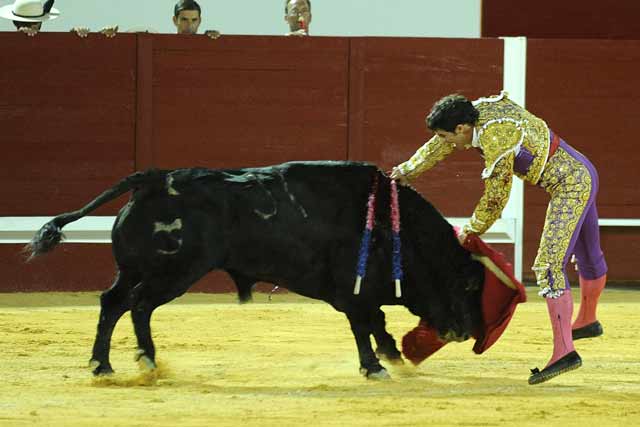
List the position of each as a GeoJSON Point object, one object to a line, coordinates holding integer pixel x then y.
{"type": "Point", "coordinates": [387, 349]}
{"type": "Point", "coordinates": [369, 364]}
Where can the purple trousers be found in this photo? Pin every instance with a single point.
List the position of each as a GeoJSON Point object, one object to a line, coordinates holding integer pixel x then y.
{"type": "Point", "coordinates": [571, 225]}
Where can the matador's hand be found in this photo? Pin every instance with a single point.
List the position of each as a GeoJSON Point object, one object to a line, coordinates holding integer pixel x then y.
{"type": "Point", "coordinates": [398, 176]}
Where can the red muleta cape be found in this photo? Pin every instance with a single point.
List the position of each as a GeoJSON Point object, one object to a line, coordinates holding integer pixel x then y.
{"type": "Point", "coordinates": [501, 293]}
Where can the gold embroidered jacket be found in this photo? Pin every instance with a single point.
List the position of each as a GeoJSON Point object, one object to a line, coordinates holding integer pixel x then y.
{"type": "Point", "coordinates": [502, 129]}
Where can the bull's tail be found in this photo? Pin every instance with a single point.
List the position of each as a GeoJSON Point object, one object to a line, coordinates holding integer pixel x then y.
{"type": "Point", "coordinates": [51, 234]}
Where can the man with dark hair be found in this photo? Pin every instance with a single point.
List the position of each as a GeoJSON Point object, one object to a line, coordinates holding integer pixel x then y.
{"type": "Point", "coordinates": [514, 141]}
{"type": "Point", "coordinates": [187, 16]}
{"type": "Point", "coordinates": [28, 15]}
{"type": "Point", "coordinates": [297, 13]}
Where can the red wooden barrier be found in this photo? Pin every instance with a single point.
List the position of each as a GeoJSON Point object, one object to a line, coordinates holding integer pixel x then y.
{"type": "Point", "coordinates": [67, 120]}
{"type": "Point", "coordinates": [248, 101]}
{"type": "Point", "coordinates": [573, 19]}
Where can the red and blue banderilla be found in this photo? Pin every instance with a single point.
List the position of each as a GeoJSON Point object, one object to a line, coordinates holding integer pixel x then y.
{"type": "Point", "coordinates": [365, 244]}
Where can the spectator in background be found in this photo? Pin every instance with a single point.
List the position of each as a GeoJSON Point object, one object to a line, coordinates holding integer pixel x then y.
{"type": "Point", "coordinates": [297, 13]}
{"type": "Point", "coordinates": [28, 15]}
{"type": "Point", "coordinates": [187, 16]}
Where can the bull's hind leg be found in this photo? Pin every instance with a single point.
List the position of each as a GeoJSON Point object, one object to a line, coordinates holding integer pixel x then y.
{"type": "Point", "coordinates": [149, 295]}
{"type": "Point", "coordinates": [387, 349]}
{"type": "Point", "coordinates": [361, 327]}
{"type": "Point", "coordinates": [114, 302]}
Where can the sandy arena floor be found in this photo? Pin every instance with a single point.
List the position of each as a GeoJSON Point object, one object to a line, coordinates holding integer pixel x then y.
{"type": "Point", "coordinates": [293, 362]}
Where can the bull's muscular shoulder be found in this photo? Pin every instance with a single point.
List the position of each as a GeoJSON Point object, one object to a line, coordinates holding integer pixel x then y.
{"type": "Point", "coordinates": [320, 166]}
{"type": "Point", "coordinates": [347, 174]}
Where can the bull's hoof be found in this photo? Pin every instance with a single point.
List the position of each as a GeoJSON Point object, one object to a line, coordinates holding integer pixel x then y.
{"type": "Point", "coordinates": [375, 374]}
{"type": "Point", "coordinates": [138, 354]}
{"type": "Point", "coordinates": [147, 364]}
{"type": "Point", "coordinates": [99, 369]}
{"type": "Point", "coordinates": [381, 375]}
{"type": "Point", "coordinates": [144, 361]}
{"type": "Point", "coordinates": [395, 361]}
{"type": "Point", "coordinates": [392, 356]}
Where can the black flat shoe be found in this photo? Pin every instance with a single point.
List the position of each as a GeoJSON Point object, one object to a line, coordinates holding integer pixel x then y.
{"type": "Point", "coordinates": [567, 363]}
{"type": "Point", "coordinates": [591, 330]}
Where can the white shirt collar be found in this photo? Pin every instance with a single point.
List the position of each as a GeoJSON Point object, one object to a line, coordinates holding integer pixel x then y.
{"type": "Point", "coordinates": [475, 141]}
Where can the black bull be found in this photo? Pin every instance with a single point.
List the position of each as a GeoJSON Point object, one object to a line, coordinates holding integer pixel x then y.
{"type": "Point", "coordinates": [297, 225]}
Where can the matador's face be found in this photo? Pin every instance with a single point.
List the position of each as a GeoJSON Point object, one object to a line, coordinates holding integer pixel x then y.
{"type": "Point", "coordinates": [460, 138]}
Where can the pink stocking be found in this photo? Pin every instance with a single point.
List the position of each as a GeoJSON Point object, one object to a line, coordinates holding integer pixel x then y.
{"type": "Point", "coordinates": [590, 291]}
{"type": "Point", "coordinates": [560, 312]}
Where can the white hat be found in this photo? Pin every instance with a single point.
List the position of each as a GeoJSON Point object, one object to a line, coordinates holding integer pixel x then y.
{"type": "Point", "coordinates": [27, 11]}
